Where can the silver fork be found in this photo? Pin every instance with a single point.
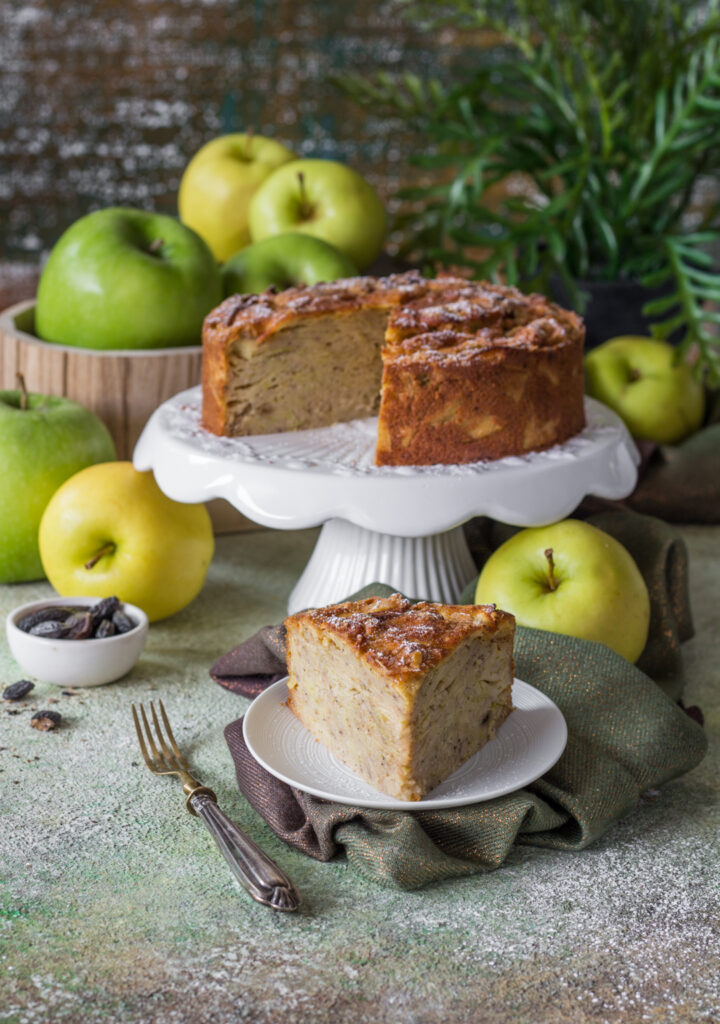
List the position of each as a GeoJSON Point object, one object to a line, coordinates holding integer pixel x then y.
{"type": "Point", "coordinates": [256, 872]}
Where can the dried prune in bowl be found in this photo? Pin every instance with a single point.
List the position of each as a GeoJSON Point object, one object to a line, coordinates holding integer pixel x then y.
{"type": "Point", "coordinates": [78, 627]}
{"type": "Point", "coordinates": [104, 609]}
{"type": "Point", "coordinates": [51, 629]}
{"type": "Point", "coordinates": [56, 612]}
{"type": "Point", "coordinates": [68, 661]}
{"type": "Point", "coordinates": [106, 627]}
{"type": "Point", "coordinates": [122, 621]}
{"type": "Point", "coordinates": [105, 618]}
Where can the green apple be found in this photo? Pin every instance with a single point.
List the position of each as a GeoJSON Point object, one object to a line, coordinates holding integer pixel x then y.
{"type": "Point", "coordinates": [126, 279]}
{"type": "Point", "coordinates": [323, 198]}
{"type": "Point", "coordinates": [110, 530]}
{"type": "Point", "coordinates": [658, 398]}
{"type": "Point", "coordinates": [570, 578]}
{"type": "Point", "coordinates": [282, 261]}
{"type": "Point", "coordinates": [218, 184]}
{"type": "Point", "coordinates": [44, 439]}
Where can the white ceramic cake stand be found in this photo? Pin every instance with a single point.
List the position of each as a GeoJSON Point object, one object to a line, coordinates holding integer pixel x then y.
{"type": "Point", "coordinates": [396, 525]}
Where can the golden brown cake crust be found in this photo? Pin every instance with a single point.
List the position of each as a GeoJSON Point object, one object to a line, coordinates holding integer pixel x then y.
{"type": "Point", "coordinates": [262, 315]}
{"type": "Point", "coordinates": [478, 371]}
{"type": "Point", "coordinates": [401, 638]}
{"type": "Point", "coordinates": [470, 370]}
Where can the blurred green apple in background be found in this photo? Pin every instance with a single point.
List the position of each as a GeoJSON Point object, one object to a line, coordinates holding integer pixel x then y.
{"type": "Point", "coordinates": [657, 398]}
{"type": "Point", "coordinates": [126, 279]}
{"type": "Point", "coordinates": [326, 199]}
{"type": "Point", "coordinates": [282, 261]}
{"type": "Point", "coordinates": [218, 184]}
{"type": "Point", "coordinates": [110, 530]}
{"type": "Point", "coordinates": [570, 578]}
{"type": "Point", "coordinates": [44, 439]}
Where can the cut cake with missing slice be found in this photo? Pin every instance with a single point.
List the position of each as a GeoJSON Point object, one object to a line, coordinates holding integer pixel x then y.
{"type": "Point", "coordinates": [403, 694]}
{"type": "Point", "coordinates": [456, 371]}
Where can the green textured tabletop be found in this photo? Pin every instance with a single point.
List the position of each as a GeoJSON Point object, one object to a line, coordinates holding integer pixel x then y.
{"type": "Point", "coordinates": [116, 906]}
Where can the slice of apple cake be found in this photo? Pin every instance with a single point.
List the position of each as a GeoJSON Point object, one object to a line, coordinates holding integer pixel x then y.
{"type": "Point", "coordinates": [401, 693]}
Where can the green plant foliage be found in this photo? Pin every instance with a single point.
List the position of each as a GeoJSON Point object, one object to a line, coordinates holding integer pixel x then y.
{"type": "Point", "coordinates": [599, 117]}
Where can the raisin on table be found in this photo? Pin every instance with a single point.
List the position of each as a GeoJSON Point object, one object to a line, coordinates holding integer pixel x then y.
{"type": "Point", "coordinates": [46, 720]}
{"type": "Point", "coordinates": [16, 691]}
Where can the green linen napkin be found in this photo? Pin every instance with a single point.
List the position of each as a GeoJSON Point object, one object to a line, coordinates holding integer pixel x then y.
{"type": "Point", "coordinates": [626, 735]}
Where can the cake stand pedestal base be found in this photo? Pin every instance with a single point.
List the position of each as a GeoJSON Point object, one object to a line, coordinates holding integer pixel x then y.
{"type": "Point", "coordinates": [347, 557]}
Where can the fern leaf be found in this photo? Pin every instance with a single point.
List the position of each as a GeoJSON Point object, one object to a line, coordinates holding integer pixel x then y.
{"type": "Point", "coordinates": [686, 305]}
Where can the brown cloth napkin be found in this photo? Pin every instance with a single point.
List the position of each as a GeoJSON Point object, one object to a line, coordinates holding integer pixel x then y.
{"type": "Point", "coordinates": [682, 483]}
{"type": "Point", "coordinates": [625, 736]}
{"type": "Point", "coordinates": [679, 483]}
{"type": "Point", "coordinates": [253, 665]}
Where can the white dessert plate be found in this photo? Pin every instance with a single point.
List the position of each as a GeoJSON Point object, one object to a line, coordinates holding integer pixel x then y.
{"type": "Point", "coordinates": [527, 745]}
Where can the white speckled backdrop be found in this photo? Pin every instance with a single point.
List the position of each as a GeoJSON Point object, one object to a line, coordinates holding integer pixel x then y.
{"type": "Point", "coordinates": [104, 103]}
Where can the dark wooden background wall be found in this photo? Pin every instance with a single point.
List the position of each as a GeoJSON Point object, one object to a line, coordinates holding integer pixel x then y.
{"type": "Point", "coordinates": [104, 101]}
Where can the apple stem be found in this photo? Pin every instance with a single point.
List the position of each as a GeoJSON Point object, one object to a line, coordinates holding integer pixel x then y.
{"type": "Point", "coordinates": [551, 568]}
{"type": "Point", "coordinates": [156, 246]}
{"type": "Point", "coordinates": [305, 207]}
{"type": "Point", "coordinates": [106, 549]}
{"type": "Point", "coordinates": [634, 374]}
{"type": "Point", "coordinates": [23, 390]}
{"type": "Point", "coordinates": [248, 143]}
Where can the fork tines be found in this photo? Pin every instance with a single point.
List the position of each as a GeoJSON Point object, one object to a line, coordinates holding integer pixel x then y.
{"type": "Point", "coordinates": [166, 760]}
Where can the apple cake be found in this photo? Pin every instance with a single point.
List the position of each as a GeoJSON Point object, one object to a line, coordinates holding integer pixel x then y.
{"type": "Point", "coordinates": [457, 371]}
{"type": "Point", "coordinates": [401, 693]}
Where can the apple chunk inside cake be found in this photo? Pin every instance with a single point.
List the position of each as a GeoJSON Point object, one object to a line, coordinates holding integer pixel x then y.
{"type": "Point", "coordinates": [401, 693]}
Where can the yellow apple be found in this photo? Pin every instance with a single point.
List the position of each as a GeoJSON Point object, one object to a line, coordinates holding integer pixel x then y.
{"type": "Point", "coordinates": [570, 578]}
{"type": "Point", "coordinates": [659, 398]}
{"type": "Point", "coordinates": [109, 529]}
{"type": "Point", "coordinates": [218, 184]}
{"type": "Point", "coordinates": [325, 199]}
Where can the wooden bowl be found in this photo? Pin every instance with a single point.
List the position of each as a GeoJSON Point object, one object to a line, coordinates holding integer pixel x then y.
{"type": "Point", "coordinates": [122, 387]}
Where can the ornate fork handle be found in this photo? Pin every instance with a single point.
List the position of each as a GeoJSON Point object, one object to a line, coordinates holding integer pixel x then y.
{"type": "Point", "coordinates": [255, 871]}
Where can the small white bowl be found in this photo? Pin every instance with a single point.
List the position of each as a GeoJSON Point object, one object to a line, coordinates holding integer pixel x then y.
{"type": "Point", "coordinates": [76, 662]}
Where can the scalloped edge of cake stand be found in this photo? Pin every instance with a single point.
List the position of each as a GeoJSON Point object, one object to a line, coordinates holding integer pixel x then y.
{"type": "Point", "coordinates": [401, 525]}
{"type": "Point", "coordinates": [304, 478]}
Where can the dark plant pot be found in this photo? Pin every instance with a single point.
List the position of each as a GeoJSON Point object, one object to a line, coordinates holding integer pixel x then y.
{"type": "Point", "coordinates": [613, 308]}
